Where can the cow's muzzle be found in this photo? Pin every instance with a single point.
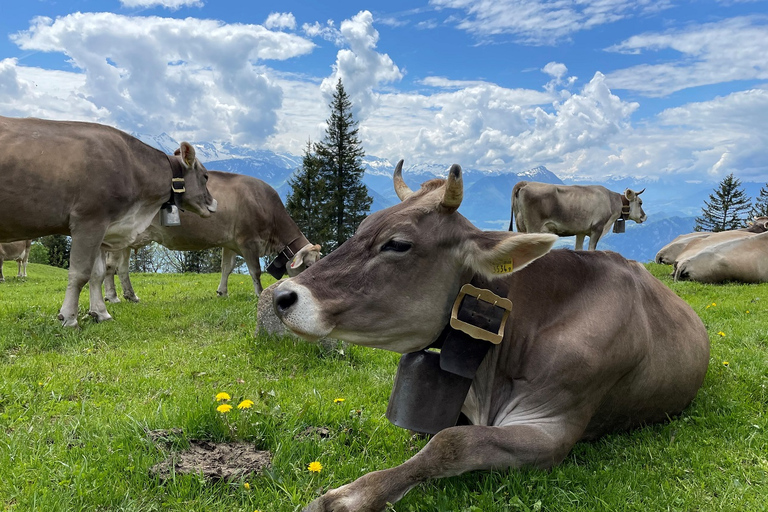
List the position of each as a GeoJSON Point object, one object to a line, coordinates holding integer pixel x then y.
{"type": "Point", "coordinates": [213, 206]}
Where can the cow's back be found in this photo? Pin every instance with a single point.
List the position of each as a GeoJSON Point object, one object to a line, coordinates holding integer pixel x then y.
{"type": "Point", "coordinates": [598, 324]}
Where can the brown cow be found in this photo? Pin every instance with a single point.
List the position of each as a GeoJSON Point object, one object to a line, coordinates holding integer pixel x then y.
{"type": "Point", "coordinates": [593, 343]}
{"type": "Point", "coordinates": [18, 251]}
{"type": "Point", "coordinates": [743, 259]}
{"type": "Point", "coordinates": [251, 222]}
{"type": "Point", "coordinates": [685, 246]}
{"type": "Point", "coordinates": [95, 183]}
{"type": "Point", "coordinates": [567, 210]}
{"type": "Point", "coordinates": [669, 253]}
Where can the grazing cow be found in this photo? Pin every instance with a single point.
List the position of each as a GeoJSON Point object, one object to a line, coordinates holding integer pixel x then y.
{"type": "Point", "coordinates": [251, 222]}
{"type": "Point", "coordinates": [685, 246]}
{"type": "Point", "coordinates": [18, 251]}
{"type": "Point", "coordinates": [593, 342]}
{"type": "Point", "coordinates": [95, 183]}
{"type": "Point", "coordinates": [744, 260]}
{"type": "Point", "coordinates": [581, 210]}
{"type": "Point", "coordinates": [669, 253]}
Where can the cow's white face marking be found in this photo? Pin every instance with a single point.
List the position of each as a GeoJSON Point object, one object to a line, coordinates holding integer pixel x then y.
{"type": "Point", "coordinates": [307, 321]}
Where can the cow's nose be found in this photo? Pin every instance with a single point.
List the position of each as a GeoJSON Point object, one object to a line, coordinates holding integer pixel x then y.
{"type": "Point", "coordinates": [282, 300]}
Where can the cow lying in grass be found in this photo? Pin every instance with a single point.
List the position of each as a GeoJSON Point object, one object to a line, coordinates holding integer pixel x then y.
{"type": "Point", "coordinates": [593, 342]}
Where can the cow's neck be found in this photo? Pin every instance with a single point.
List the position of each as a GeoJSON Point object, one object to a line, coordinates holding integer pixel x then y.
{"type": "Point", "coordinates": [624, 207]}
{"type": "Point", "coordinates": [430, 387]}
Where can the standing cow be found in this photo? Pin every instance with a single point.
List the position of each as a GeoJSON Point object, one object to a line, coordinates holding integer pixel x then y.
{"type": "Point", "coordinates": [593, 342]}
{"type": "Point", "coordinates": [567, 210]}
{"type": "Point", "coordinates": [251, 222]}
{"type": "Point", "coordinates": [18, 251]}
{"type": "Point", "coordinates": [95, 183]}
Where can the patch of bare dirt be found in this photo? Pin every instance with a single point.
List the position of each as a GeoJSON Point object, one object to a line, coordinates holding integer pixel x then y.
{"type": "Point", "coordinates": [214, 461]}
{"type": "Point", "coordinates": [321, 432]}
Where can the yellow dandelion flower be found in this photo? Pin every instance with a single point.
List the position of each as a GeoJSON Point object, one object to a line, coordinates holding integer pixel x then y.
{"type": "Point", "coordinates": [247, 486]}
{"type": "Point", "coordinates": [314, 467]}
{"type": "Point", "coordinates": [245, 404]}
{"type": "Point", "coordinates": [338, 400]}
{"type": "Point", "coordinates": [222, 396]}
{"type": "Point", "coordinates": [726, 363]}
{"type": "Point", "coordinates": [224, 408]}
{"type": "Point", "coordinates": [714, 304]}
{"type": "Point", "coordinates": [747, 311]}
{"type": "Point", "coordinates": [721, 333]}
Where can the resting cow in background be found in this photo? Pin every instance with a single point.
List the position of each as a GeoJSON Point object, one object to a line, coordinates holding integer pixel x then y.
{"type": "Point", "coordinates": [567, 210]}
{"type": "Point", "coordinates": [18, 251]}
{"type": "Point", "coordinates": [744, 260]}
{"type": "Point", "coordinates": [685, 246]}
{"type": "Point", "coordinates": [95, 183]}
{"type": "Point", "coordinates": [251, 221]}
{"type": "Point", "coordinates": [570, 362]}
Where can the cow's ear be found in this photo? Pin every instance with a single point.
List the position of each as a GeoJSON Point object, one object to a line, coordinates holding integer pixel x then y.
{"type": "Point", "coordinates": [310, 253]}
{"type": "Point", "coordinates": [629, 194]}
{"type": "Point", "coordinates": [496, 253]}
{"type": "Point", "coordinates": [187, 152]}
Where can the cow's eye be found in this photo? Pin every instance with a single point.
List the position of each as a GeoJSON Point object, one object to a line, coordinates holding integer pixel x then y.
{"type": "Point", "coordinates": [395, 245]}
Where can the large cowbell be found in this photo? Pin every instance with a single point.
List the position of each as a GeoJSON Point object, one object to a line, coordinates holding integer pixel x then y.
{"type": "Point", "coordinates": [169, 216]}
{"type": "Point", "coordinates": [425, 398]}
{"type": "Point", "coordinates": [619, 226]}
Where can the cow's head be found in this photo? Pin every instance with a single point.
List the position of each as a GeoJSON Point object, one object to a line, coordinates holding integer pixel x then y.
{"type": "Point", "coordinates": [392, 284]}
{"type": "Point", "coordinates": [196, 197]}
{"type": "Point", "coordinates": [758, 225]}
{"type": "Point", "coordinates": [636, 212]}
{"type": "Point", "coordinates": [306, 256]}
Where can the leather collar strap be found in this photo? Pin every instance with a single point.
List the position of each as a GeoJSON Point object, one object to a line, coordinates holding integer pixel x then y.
{"type": "Point", "coordinates": [277, 267]}
{"type": "Point", "coordinates": [624, 207]}
{"type": "Point", "coordinates": [430, 387]}
{"type": "Point", "coordinates": [178, 186]}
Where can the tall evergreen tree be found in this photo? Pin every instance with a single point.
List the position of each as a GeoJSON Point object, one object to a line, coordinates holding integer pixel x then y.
{"type": "Point", "coordinates": [305, 201]}
{"type": "Point", "coordinates": [340, 155]}
{"type": "Point", "coordinates": [761, 203]}
{"type": "Point", "coordinates": [726, 209]}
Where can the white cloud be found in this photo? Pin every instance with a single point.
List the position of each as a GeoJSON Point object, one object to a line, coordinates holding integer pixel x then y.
{"type": "Point", "coordinates": [197, 79]}
{"type": "Point", "coordinates": [328, 32]}
{"type": "Point", "coordinates": [542, 21]}
{"type": "Point", "coordinates": [280, 21]}
{"type": "Point", "coordinates": [733, 49]}
{"type": "Point", "coordinates": [168, 4]}
{"type": "Point", "coordinates": [361, 68]}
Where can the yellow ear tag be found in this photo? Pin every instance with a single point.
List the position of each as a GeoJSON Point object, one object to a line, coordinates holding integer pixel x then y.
{"type": "Point", "coordinates": [503, 268]}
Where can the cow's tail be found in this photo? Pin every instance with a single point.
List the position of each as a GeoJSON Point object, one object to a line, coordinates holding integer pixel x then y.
{"type": "Point", "coordinates": [516, 210]}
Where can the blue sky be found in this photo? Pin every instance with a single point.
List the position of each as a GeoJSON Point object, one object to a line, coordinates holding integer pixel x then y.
{"type": "Point", "coordinates": [589, 89]}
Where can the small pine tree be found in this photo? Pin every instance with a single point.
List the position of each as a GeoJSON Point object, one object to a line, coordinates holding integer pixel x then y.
{"type": "Point", "coordinates": [340, 155]}
{"type": "Point", "coordinates": [305, 201]}
{"type": "Point", "coordinates": [761, 203]}
{"type": "Point", "coordinates": [726, 209]}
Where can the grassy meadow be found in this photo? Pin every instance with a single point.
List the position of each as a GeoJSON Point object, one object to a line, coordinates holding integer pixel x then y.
{"type": "Point", "coordinates": [76, 407]}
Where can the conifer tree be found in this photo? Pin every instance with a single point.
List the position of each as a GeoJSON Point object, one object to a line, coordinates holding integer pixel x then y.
{"type": "Point", "coordinates": [305, 201]}
{"type": "Point", "coordinates": [726, 209]}
{"type": "Point", "coordinates": [340, 156]}
{"type": "Point", "coordinates": [761, 203]}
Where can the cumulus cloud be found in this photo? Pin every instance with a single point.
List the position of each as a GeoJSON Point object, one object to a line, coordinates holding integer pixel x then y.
{"type": "Point", "coordinates": [712, 53]}
{"type": "Point", "coordinates": [168, 4]}
{"type": "Point", "coordinates": [542, 21]}
{"type": "Point", "coordinates": [198, 79]}
{"type": "Point", "coordinates": [360, 67]}
{"type": "Point", "coordinates": [329, 32]}
{"type": "Point", "coordinates": [280, 21]}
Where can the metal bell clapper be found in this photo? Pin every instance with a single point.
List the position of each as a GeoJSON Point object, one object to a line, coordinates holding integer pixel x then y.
{"type": "Point", "coordinates": [169, 216]}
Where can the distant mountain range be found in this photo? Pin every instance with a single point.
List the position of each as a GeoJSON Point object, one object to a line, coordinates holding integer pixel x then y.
{"type": "Point", "coordinates": [671, 203]}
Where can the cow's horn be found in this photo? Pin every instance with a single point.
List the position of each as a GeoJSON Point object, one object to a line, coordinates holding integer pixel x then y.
{"type": "Point", "coordinates": [638, 193]}
{"type": "Point", "coordinates": [402, 190]}
{"type": "Point", "coordinates": [454, 188]}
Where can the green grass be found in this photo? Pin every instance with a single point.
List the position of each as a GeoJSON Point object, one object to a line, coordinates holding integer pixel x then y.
{"type": "Point", "coordinates": [75, 407]}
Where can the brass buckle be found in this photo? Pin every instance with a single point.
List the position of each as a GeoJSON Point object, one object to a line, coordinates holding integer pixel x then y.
{"type": "Point", "coordinates": [180, 183]}
{"type": "Point", "coordinates": [486, 296]}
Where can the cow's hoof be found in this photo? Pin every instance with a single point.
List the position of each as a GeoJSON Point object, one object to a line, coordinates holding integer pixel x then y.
{"type": "Point", "coordinates": [132, 298]}
{"type": "Point", "coordinates": [222, 294]}
{"type": "Point", "coordinates": [100, 317]}
{"type": "Point", "coordinates": [70, 321]}
{"type": "Point", "coordinates": [112, 300]}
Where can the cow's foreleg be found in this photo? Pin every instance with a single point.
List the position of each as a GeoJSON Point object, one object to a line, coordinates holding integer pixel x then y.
{"type": "Point", "coordinates": [86, 249]}
{"type": "Point", "coordinates": [98, 309]}
{"type": "Point", "coordinates": [452, 452]}
{"type": "Point", "coordinates": [251, 257]}
{"type": "Point", "coordinates": [580, 242]}
{"type": "Point", "coordinates": [228, 259]}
